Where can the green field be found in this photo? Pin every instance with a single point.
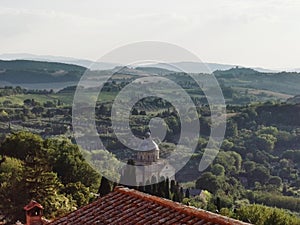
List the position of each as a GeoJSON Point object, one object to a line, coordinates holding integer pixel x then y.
{"type": "Point", "coordinates": [66, 98]}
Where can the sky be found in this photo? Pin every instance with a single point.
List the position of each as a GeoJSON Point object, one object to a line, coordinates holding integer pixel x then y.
{"type": "Point", "coordinates": [256, 33]}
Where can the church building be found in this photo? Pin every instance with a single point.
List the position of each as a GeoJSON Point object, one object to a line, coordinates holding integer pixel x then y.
{"type": "Point", "coordinates": [149, 164]}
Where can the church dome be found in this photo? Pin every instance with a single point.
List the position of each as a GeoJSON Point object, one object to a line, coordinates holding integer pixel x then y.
{"type": "Point", "coordinates": [148, 145]}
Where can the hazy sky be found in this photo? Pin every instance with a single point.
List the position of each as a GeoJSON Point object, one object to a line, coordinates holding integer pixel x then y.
{"type": "Point", "coordinates": [262, 33]}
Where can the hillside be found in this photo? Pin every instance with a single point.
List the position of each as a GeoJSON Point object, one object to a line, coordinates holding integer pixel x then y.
{"type": "Point", "coordinates": [283, 82]}
{"type": "Point", "coordinates": [26, 71]}
{"type": "Point", "coordinates": [246, 82]}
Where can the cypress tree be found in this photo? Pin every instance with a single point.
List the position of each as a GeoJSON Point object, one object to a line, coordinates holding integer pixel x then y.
{"type": "Point", "coordinates": [181, 194]}
{"type": "Point", "coordinates": [161, 187]}
{"type": "Point", "coordinates": [154, 185]}
{"type": "Point", "coordinates": [175, 197]}
{"type": "Point", "coordinates": [167, 189]}
{"type": "Point", "coordinates": [148, 187]}
{"type": "Point", "coordinates": [105, 187]}
{"type": "Point", "coordinates": [141, 187]}
{"type": "Point", "coordinates": [187, 193]}
{"type": "Point", "coordinates": [218, 204]}
{"type": "Point", "coordinates": [173, 184]}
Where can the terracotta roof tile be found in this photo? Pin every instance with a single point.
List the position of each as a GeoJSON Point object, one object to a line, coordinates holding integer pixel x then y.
{"type": "Point", "coordinates": [127, 206]}
{"type": "Point", "coordinates": [32, 204]}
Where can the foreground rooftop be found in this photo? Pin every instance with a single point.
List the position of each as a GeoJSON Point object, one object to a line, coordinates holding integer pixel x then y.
{"type": "Point", "coordinates": [128, 206]}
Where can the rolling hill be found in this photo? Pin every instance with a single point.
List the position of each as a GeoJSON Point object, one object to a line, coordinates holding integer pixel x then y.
{"type": "Point", "coordinates": [27, 71]}
{"type": "Point", "coordinates": [190, 67]}
{"type": "Point", "coordinates": [18, 72]}
{"type": "Point", "coordinates": [282, 82]}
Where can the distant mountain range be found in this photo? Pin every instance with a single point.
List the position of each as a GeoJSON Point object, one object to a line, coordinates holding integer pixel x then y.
{"type": "Point", "coordinates": [190, 67]}
{"type": "Point", "coordinates": [196, 67]}
{"type": "Point", "coordinates": [68, 60]}
{"type": "Point", "coordinates": [44, 75]}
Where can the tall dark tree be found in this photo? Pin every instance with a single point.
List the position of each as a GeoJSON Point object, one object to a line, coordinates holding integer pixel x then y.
{"type": "Point", "coordinates": [187, 193]}
{"type": "Point", "coordinates": [161, 187]}
{"type": "Point", "coordinates": [175, 197]}
{"type": "Point", "coordinates": [148, 187]}
{"type": "Point", "coordinates": [105, 187]}
{"type": "Point", "coordinates": [154, 185]}
{"type": "Point", "coordinates": [181, 194]}
{"type": "Point", "coordinates": [141, 187]}
{"type": "Point", "coordinates": [173, 186]}
{"type": "Point", "coordinates": [218, 204]}
{"type": "Point", "coordinates": [167, 189]}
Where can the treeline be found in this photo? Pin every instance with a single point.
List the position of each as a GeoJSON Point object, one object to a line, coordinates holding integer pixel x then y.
{"type": "Point", "coordinates": [273, 200]}
{"type": "Point", "coordinates": [164, 188]}
{"type": "Point", "coordinates": [8, 91]}
{"type": "Point", "coordinates": [262, 215]}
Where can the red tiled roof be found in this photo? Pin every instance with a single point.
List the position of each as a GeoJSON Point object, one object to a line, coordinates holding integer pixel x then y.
{"type": "Point", "coordinates": [127, 206]}
{"type": "Point", "coordinates": [32, 204]}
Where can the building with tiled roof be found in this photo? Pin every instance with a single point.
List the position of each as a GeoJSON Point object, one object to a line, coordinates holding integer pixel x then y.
{"type": "Point", "coordinates": [34, 214]}
{"type": "Point", "coordinates": [128, 206]}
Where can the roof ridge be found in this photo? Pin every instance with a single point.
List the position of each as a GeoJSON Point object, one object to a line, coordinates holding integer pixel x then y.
{"type": "Point", "coordinates": [190, 210]}
{"type": "Point", "coordinates": [32, 204]}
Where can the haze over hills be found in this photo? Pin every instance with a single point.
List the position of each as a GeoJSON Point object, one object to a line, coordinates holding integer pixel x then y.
{"type": "Point", "coordinates": [190, 67]}
{"type": "Point", "coordinates": [61, 59]}
{"type": "Point", "coordinates": [198, 67]}
{"type": "Point", "coordinates": [54, 75]}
